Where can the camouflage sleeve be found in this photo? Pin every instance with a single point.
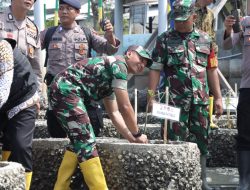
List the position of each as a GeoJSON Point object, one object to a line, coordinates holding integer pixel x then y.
{"type": "Point", "coordinates": [120, 75]}
{"type": "Point", "coordinates": [112, 96]}
{"type": "Point", "coordinates": [6, 70]}
{"type": "Point", "coordinates": [101, 45]}
{"type": "Point", "coordinates": [158, 55]}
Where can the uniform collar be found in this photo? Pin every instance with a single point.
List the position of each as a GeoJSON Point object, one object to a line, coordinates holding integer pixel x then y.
{"type": "Point", "coordinates": [121, 58]}
{"type": "Point", "coordinates": [11, 18]}
{"type": "Point", "coordinates": [196, 32]}
{"type": "Point", "coordinates": [193, 35]}
{"type": "Point", "coordinates": [76, 28]}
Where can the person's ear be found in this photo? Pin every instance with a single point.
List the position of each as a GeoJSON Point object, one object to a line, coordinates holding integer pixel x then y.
{"type": "Point", "coordinates": [129, 53]}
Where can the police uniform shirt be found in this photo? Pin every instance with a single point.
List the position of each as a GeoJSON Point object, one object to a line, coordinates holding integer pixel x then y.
{"type": "Point", "coordinates": [243, 39]}
{"type": "Point", "coordinates": [68, 46]}
{"type": "Point", "coordinates": [27, 36]}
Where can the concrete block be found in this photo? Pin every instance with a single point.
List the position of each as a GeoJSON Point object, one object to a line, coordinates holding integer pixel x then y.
{"type": "Point", "coordinates": [173, 166]}
{"type": "Point", "coordinates": [12, 176]}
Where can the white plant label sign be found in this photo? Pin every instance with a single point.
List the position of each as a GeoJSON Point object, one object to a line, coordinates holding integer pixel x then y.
{"type": "Point", "coordinates": [165, 111]}
{"type": "Point", "coordinates": [231, 104]}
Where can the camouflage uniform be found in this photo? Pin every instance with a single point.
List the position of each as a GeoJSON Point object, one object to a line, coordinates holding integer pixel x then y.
{"type": "Point", "coordinates": [205, 22]}
{"type": "Point", "coordinates": [184, 59]}
{"type": "Point", "coordinates": [65, 48]}
{"type": "Point", "coordinates": [72, 90]}
{"type": "Point", "coordinates": [27, 36]}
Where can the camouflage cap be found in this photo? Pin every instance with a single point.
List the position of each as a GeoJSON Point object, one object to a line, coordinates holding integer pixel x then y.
{"type": "Point", "coordinates": [73, 3]}
{"type": "Point", "coordinates": [8, 36]}
{"type": "Point", "coordinates": [142, 52]}
{"type": "Point", "coordinates": [182, 10]}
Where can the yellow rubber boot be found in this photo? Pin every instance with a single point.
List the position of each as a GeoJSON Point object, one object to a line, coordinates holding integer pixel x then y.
{"type": "Point", "coordinates": [93, 174]}
{"type": "Point", "coordinates": [28, 177]}
{"type": "Point", "coordinates": [211, 107]}
{"type": "Point", "coordinates": [5, 155]}
{"type": "Point", "coordinates": [66, 170]}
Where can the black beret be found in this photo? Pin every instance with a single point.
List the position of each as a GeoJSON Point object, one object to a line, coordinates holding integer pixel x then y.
{"type": "Point", "coordinates": [73, 3]}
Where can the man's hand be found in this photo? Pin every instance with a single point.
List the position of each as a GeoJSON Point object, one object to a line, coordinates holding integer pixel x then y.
{"type": "Point", "coordinates": [109, 35]}
{"type": "Point", "coordinates": [108, 27]}
{"type": "Point", "coordinates": [142, 139]}
{"type": "Point", "coordinates": [218, 107]}
{"type": "Point", "coordinates": [228, 23]}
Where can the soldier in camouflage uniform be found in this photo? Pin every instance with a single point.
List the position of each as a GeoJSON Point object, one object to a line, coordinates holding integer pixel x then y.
{"type": "Point", "coordinates": [89, 80]}
{"type": "Point", "coordinates": [188, 60]}
{"type": "Point", "coordinates": [69, 44]}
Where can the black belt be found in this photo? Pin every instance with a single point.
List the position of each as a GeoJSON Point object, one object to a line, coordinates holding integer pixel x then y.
{"type": "Point", "coordinates": [48, 78]}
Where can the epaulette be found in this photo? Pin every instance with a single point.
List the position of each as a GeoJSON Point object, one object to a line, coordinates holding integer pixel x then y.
{"type": "Point", "coordinates": [245, 22]}
{"type": "Point", "coordinates": [119, 58]}
{"type": "Point", "coordinates": [204, 34]}
{"type": "Point", "coordinates": [165, 34]}
{"type": "Point", "coordinates": [32, 22]}
{"type": "Point", "coordinates": [34, 25]}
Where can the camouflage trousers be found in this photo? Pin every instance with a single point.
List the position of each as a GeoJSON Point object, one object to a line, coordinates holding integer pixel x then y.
{"type": "Point", "coordinates": [192, 127]}
{"type": "Point", "coordinates": [70, 111]}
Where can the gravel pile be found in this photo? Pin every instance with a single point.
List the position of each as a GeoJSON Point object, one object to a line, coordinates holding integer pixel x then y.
{"type": "Point", "coordinates": [12, 176]}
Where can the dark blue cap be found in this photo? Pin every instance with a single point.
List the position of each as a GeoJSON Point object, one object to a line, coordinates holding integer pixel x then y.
{"type": "Point", "coordinates": [73, 3]}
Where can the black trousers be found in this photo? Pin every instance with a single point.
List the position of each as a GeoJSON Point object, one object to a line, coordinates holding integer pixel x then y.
{"type": "Point", "coordinates": [18, 136]}
{"type": "Point", "coordinates": [56, 131]}
{"type": "Point", "coordinates": [243, 120]}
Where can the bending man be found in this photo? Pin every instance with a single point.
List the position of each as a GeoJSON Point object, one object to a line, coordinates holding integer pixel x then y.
{"type": "Point", "coordinates": [91, 80]}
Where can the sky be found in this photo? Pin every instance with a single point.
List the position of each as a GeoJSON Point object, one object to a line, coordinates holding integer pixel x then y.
{"type": "Point", "coordinates": [50, 4]}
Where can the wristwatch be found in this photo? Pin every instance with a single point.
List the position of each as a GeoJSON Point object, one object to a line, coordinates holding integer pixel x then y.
{"type": "Point", "coordinates": [138, 134]}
